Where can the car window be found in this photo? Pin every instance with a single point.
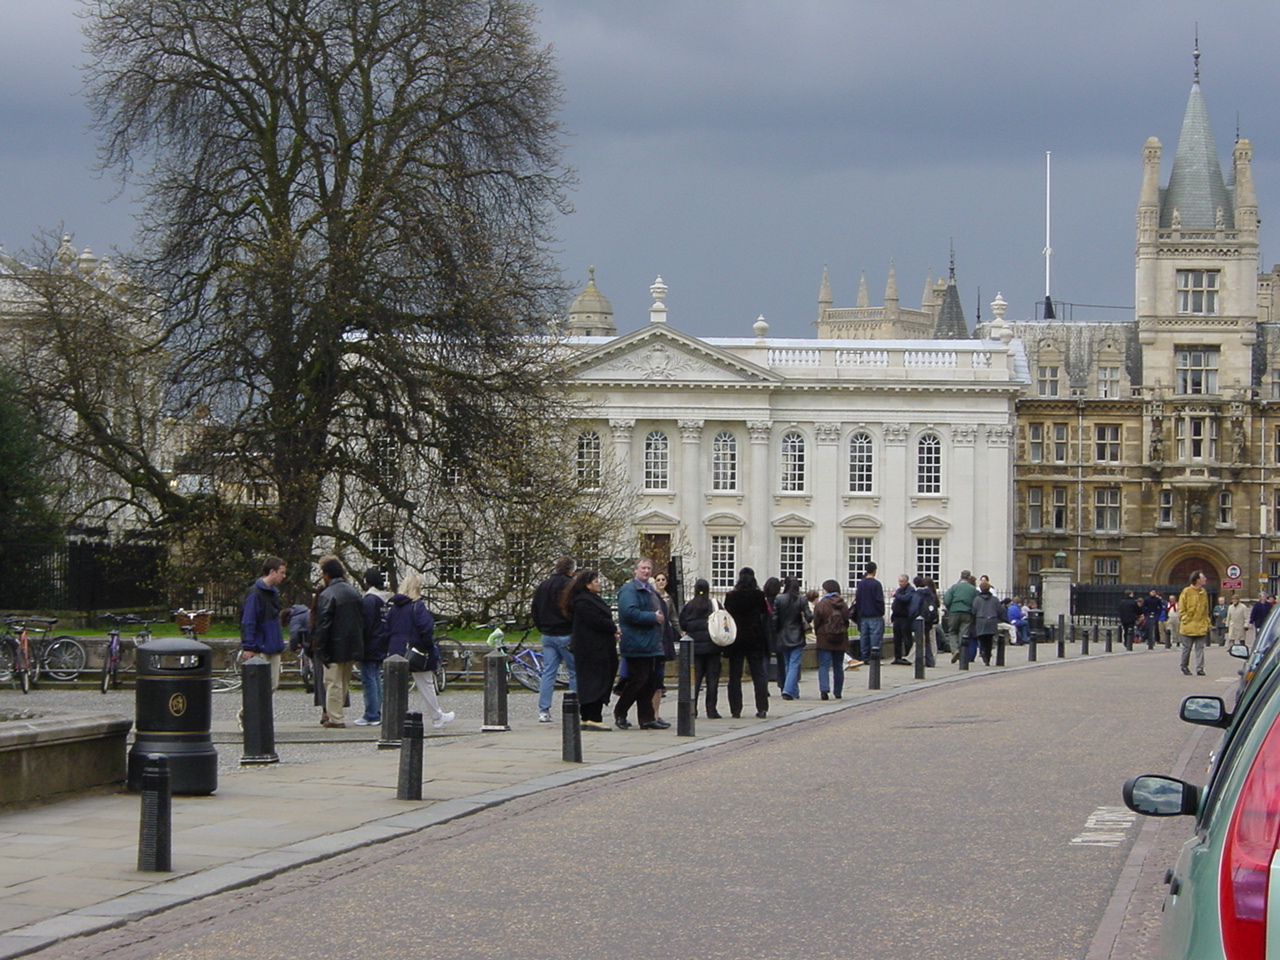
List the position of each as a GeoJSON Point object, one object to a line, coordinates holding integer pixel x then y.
{"type": "Point", "coordinates": [1258, 704]}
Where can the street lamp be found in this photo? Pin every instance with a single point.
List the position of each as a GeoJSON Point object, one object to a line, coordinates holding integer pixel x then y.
{"type": "Point", "coordinates": [1060, 559]}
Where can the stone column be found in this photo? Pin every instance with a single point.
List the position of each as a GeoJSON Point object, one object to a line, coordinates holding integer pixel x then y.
{"type": "Point", "coordinates": [1055, 584]}
{"type": "Point", "coordinates": [621, 431]}
{"type": "Point", "coordinates": [692, 483]}
{"type": "Point", "coordinates": [829, 550]}
{"type": "Point", "coordinates": [757, 541]}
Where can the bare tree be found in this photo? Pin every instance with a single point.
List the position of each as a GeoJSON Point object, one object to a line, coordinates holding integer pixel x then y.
{"type": "Point", "coordinates": [346, 222]}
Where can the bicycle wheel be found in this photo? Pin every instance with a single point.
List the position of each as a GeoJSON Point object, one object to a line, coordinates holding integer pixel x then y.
{"type": "Point", "coordinates": [64, 658]}
{"type": "Point", "coordinates": [307, 671]}
{"type": "Point", "coordinates": [454, 660]}
{"type": "Point", "coordinates": [23, 668]}
{"type": "Point", "coordinates": [526, 669]}
{"type": "Point", "coordinates": [108, 678]}
{"type": "Point", "coordinates": [6, 662]}
{"type": "Point", "coordinates": [562, 675]}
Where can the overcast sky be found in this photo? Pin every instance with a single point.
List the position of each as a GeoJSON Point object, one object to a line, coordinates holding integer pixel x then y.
{"type": "Point", "coordinates": [735, 146]}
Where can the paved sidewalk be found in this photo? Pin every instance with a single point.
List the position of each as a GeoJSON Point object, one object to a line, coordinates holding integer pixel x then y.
{"type": "Point", "coordinates": [69, 868]}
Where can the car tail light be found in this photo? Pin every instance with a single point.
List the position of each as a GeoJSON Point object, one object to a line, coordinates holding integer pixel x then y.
{"type": "Point", "coordinates": [1246, 856]}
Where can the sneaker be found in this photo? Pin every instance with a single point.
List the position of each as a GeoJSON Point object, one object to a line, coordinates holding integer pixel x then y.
{"type": "Point", "coordinates": [444, 718]}
{"type": "Point", "coordinates": [544, 716]}
{"type": "Point", "coordinates": [362, 722]}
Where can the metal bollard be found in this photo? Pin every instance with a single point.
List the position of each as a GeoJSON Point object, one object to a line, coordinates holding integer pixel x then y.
{"type": "Point", "coordinates": [570, 728]}
{"type": "Point", "coordinates": [918, 636]}
{"type": "Point", "coordinates": [1061, 636]}
{"type": "Point", "coordinates": [155, 833]}
{"type": "Point", "coordinates": [1168, 637]}
{"type": "Point", "coordinates": [1084, 642]}
{"type": "Point", "coordinates": [410, 784]}
{"type": "Point", "coordinates": [685, 707]}
{"type": "Point", "coordinates": [873, 672]}
{"type": "Point", "coordinates": [258, 719]}
{"type": "Point", "coordinates": [495, 693]}
{"type": "Point", "coordinates": [395, 700]}
{"type": "Point", "coordinates": [1106, 643]}
{"type": "Point", "coordinates": [999, 648]}
{"type": "Point", "coordinates": [1033, 640]}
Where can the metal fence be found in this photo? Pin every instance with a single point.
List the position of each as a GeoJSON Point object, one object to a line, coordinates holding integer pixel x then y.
{"type": "Point", "coordinates": [81, 576]}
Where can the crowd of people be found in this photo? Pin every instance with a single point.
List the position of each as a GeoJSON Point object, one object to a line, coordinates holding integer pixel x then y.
{"type": "Point", "coordinates": [1187, 618]}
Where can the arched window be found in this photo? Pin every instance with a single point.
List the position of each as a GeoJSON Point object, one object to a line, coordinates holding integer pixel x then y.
{"type": "Point", "coordinates": [929, 464]}
{"type": "Point", "coordinates": [724, 461]}
{"type": "Point", "coordinates": [588, 462]}
{"type": "Point", "coordinates": [792, 461]}
{"type": "Point", "coordinates": [860, 463]}
{"type": "Point", "coordinates": [657, 461]}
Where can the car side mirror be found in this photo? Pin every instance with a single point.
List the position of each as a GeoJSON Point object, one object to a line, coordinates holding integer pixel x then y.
{"type": "Point", "coordinates": [1208, 711]}
{"type": "Point", "coordinates": [1159, 796]}
{"type": "Point", "coordinates": [1239, 650]}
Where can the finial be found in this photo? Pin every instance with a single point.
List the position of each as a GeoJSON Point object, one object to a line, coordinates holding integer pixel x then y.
{"type": "Point", "coordinates": [953, 258]}
{"type": "Point", "coordinates": [1195, 54]}
{"type": "Point", "coordinates": [591, 275]}
{"type": "Point", "coordinates": [760, 327]}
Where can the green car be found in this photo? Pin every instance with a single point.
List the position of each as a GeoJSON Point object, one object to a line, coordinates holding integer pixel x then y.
{"type": "Point", "coordinates": [1220, 897]}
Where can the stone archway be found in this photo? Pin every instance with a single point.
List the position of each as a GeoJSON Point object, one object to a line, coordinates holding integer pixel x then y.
{"type": "Point", "coordinates": [1182, 570]}
{"type": "Point", "coordinates": [1179, 563]}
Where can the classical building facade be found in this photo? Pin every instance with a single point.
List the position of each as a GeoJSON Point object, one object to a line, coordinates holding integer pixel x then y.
{"type": "Point", "coordinates": [802, 458]}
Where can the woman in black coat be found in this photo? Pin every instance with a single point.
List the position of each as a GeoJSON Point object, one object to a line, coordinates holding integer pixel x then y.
{"type": "Point", "coordinates": [706, 655]}
{"type": "Point", "coordinates": [749, 609]}
{"type": "Point", "coordinates": [594, 644]}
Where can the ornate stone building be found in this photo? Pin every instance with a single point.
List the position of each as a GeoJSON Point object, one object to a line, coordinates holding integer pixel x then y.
{"type": "Point", "coordinates": [802, 457]}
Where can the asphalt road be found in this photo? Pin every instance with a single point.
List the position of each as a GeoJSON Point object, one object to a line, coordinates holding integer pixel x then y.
{"type": "Point", "coordinates": [968, 821]}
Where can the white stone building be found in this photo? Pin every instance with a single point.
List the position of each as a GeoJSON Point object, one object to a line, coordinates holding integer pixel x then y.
{"type": "Point", "coordinates": [803, 457]}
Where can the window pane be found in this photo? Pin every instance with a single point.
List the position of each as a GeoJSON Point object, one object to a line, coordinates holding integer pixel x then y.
{"type": "Point", "coordinates": [724, 461]}
{"type": "Point", "coordinates": [793, 462]}
{"type": "Point", "coordinates": [657, 463]}
{"type": "Point", "coordinates": [929, 464]}
{"type": "Point", "coordinates": [860, 463]}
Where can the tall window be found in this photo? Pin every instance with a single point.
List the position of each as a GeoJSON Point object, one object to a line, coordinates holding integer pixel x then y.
{"type": "Point", "coordinates": [1106, 510]}
{"type": "Point", "coordinates": [1060, 443]}
{"type": "Point", "coordinates": [1108, 382]}
{"type": "Point", "coordinates": [791, 557]}
{"type": "Point", "coordinates": [1275, 512]}
{"type": "Point", "coordinates": [449, 558]}
{"type": "Point", "coordinates": [1196, 369]}
{"type": "Point", "coordinates": [1224, 508]}
{"type": "Point", "coordinates": [1197, 438]}
{"type": "Point", "coordinates": [657, 461]}
{"type": "Point", "coordinates": [859, 557]}
{"type": "Point", "coordinates": [1198, 291]}
{"type": "Point", "coordinates": [1059, 508]}
{"type": "Point", "coordinates": [1276, 447]}
{"type": "Point", "coordinates": [1035, 442]}
{"type": "Point", "coordinates": [1275, 384]}
{"type": "Point", "coordinates": [792, 462]}
{"type": "Point", "coordinates": [519, 560]}
{"type": "Point", "coordinates": [1047, 381]}
{"type": "Point", "coordinates": [929, 557]}
{"type": "Point", "coordinates": [1035, 508]}
{"type": "Point", "coordinates": [860, 464]}
{"type": "Point", "coordinates": [1166, 507]}
{"type": "Point", "coordinates": [929, 464]}
{"type": "Point", "coordinates": [1273, 576]}
{"type": "Point", "coordinates": [588, 463]}
{"type": "Point", "coordinates": [724, 461]}
{"type": "Point", "coordinates": [1106, 570]}
{"type": "Point", "coordinates": [1035, 564]}
{"type": "Point", "coordinates": [724, 561]}
{"type": "Point", "coordinates": [1107, 442]}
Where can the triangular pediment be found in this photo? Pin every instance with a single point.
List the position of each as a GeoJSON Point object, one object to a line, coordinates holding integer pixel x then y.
{"type": "Point", "coordinates": [792, 520]}
{"type": "Point", "coordinates": [661, 354]}
{"type": "Point", "coordinates": [928, 523]}
{"type": "Point", "coordinates": [656, 518]}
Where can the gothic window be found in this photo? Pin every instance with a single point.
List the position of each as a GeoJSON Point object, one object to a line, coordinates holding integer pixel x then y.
{"type": "Point", "coordinates": [588, 463]}
{"type": "Point", "coordinates": [1047, 380]}
{"type": "Point", "coordinates": [860, 463]}
{"type": "Point", "coordinates": [1106, 570]}
{"type": "Point", "coordinates": [1107, 443]}
{"type": "Point", "coordinates": [1166, 508]}
{"type": "Point", "coordinates": [1196, 369]}
{"type": "Point", "coordinates": [1198, 292]}
{"type": "Point", "coordinates": [792, 462]}
{"type": "Point", "coordinates": [1224, 508]}
{"type": "Point", "coordinates": [1035, 442]}
{"type": "Point", "coordinates": [657, 461]}
{"type": "Point", "coordinates": [1035, 508]}
{"type": "Point", "coordinates": [1197, 438]}
{"type": "Point", "coordinates": [724, 461]}
{"type": "Point", "coordinates": [929, 464]}
{"type": "Point", "coordinates": [1106, 510]}
{"type": "Point", "coordinates": [1059, 509]}
{"type": "Point", "coordinates": [1108, 383]}
{"type": "Point", "coordinates": [1060, 443]}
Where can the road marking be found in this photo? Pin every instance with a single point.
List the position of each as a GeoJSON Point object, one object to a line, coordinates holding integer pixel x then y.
{"type": "Point", "coordinates": [1105, 827]}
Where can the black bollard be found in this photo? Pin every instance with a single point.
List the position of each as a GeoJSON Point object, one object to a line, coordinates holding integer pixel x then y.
{"type": "Point", "coordinates": [918, 636]}
{"type": "Point", "coordinates": [1084, 642]}
{"type": "Point", "coordinates": [495, 693]}
{"type": "Point", "coordinates": [685, 706]}
{"type": "Point", "coordinates": [570, 728]}
{"type": "Point", "coordinates": [999, 648]}
{"type": "Point", "coordinates": [410, 784]}
{"type": "Point", "coordinates": [155, 834]}
{"type": "Point", "coordinates": [1106, 644]}
{"type": "Point", "coordinates": [1168, 637]}
{"type": "Point", "coordinates": [395, 700]}
{"type": "Point", "coordinates": [873, 673]}
{"type": "Point", "coordinates": [1061, 635]}
{"type": "Point", "coordinates": [1033, 640]}
{"type": "Point", "coordinates": [259, 720]}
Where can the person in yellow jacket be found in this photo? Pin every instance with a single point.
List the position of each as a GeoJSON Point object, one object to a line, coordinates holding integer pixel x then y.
{"type": "Point", "coordinates": [1193, 621]}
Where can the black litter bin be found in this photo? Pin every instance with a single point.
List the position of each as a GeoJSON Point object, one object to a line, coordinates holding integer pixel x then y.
{"type": "Point", "coordinates": [174, 708]}
{"type": "Point", "coordinates": [1035, 626]}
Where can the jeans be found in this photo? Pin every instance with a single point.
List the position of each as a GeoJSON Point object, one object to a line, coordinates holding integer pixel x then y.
{"type": "Point", "coordinates": [554, 649]}
{"type": "Point", "coordinates": [371, 678]}
{"type": "Point", "coordinates": [833, 661]}
{"type": "Point", "coordinates": [870, 637]}
{"type": "Point", "coordinates": [791, 685]}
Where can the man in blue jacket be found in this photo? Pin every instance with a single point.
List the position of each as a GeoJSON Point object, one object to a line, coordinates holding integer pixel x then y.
{"type": "Point", "coordinates": [868, 610]}
{"type": "Point", "coordinates": [640, 623]}
{"type": "Point", "coordinates": [260, 630]}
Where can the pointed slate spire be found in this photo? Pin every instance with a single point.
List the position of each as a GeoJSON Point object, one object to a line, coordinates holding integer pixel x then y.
{"type": "Point", "coordinates": [951, 323]}
{"type": "Point", "coordinates": [863, 299]}
{"type": "Point", "coordinates": [1196, 191]}
{"type": "Point", "coordinates": [824, 294]}
{"type": "Point", "coordinates": [891, 287]}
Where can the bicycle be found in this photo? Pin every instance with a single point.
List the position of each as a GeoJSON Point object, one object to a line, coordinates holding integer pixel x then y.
{"type": "Point", "coordinates": [61, 657]}
{"type": "Point", "coordinates": [113, 655]}
{"type": "Point", "coordinates": [228, 678]}
{"type": "Point", "coordinates": [524, 664]}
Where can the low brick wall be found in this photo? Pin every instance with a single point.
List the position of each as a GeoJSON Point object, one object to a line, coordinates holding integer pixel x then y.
{"type": "Point", "coordinates": [58, 754]}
